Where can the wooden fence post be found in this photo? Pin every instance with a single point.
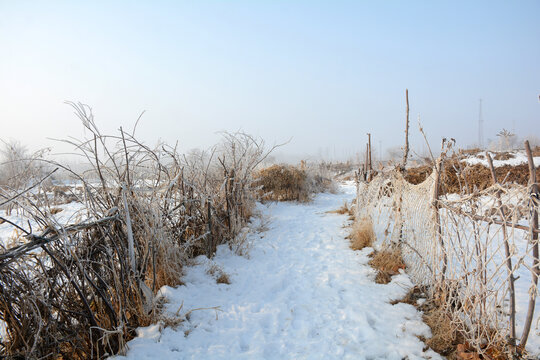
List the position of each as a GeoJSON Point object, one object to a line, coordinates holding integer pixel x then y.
{"type": "Point", "coordinates": [209, 238]}
{"type": "Point", "coordinates": [369, 155]}
{"type": "Point", "coordinates": [406, 149]}
{"type": "Point", "coordinates": [436, 206]}
{"type": "Point", "coordinates": [511, 278]}
{"type": "Point", "coordinates": [535, 270]}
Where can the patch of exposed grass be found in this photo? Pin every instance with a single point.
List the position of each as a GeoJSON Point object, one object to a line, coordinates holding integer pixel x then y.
{"type": "Point", "coordinates": [387, 261]}
{"type": "Point", "coordinates": [344, 209]}
{"type": "Point", "coordinates": [223, 279]}
{"type": "Point", "coordinates": [56, 210]}
{"type": "Point", "coordinates": [444, 336]}
{"type": "Point", "coordinates": [217, 272]}
{"type": "Point", "coordinates": [362, 234]}
{"type": "Point", "coordinates": [503, 156]}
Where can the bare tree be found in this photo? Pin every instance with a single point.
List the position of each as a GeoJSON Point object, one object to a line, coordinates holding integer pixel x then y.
{"type": "Point", "coordinates": [506, 139]}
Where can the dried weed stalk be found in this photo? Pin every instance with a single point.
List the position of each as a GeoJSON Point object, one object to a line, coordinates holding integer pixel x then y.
{"type": "Point", "coordinates": [80, 290]}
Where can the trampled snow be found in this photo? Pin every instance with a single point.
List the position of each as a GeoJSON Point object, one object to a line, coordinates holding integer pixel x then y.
{"type": "Point", "coordinates": [301, 293]}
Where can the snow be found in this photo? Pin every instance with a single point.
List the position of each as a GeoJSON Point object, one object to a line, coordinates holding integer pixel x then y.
{"type": "Point", "coordinates": [71, 213]}
{"type": "Point", "coordinates": [301, 293]}
{"type": "Point", "coordinates": [519, 157]}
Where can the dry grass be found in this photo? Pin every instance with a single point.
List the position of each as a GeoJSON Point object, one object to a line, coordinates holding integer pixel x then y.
{"type": "Point", "coordinates": [444, 337]}
{"type": "Point", "coordinates": [217, 272]}
{"type": "Point", "coordinates": [460, 178]}
{"type": "Point", "coordinates": [417, 175]}
{"type": "Point", "coordinates": [388, 262]}
{"type": "Point", "coordinates": [503, 156]}
{"type": "Point", "coordinates": [223, 279]}
{"type": "Point", "coordinates": [413, 296]}
{"type": "Point", "coordinates": [282, 183]}
{"type": "Point", "coordinates": [362, 234]}
{"type": "Point", "coordinates": [472, 151]}
{"type": "Point", "coordinates": [344, 209]}
{"type": "Point", "coordinates": [292, 183]}
{"type": "Point", "coordinates": [56, 210]}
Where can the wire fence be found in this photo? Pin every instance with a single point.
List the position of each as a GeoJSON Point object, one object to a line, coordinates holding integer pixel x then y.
{"type": "Point", "coordinates": [476, 252]}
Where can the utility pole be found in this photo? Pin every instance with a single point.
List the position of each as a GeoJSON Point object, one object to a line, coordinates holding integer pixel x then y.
{"type": "Point", "coordinates": [480, 126]}
{"type": "Point", "coordinates": [369, 151]}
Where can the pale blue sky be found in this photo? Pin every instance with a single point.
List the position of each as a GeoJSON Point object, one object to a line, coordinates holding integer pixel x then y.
{"type": "Point", "coordinates": [322, 72]}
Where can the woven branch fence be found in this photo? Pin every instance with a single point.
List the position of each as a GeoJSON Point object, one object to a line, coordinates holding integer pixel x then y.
{"type": "Point", "coordinates": [476, 253]}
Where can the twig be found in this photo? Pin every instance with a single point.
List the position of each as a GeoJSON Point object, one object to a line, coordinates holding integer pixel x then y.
{"type": "Point", "coordinates": [28, 189]}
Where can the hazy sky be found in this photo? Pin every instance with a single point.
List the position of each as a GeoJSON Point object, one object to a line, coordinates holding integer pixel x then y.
{"type": "Point", "coordinates": [321, 72]}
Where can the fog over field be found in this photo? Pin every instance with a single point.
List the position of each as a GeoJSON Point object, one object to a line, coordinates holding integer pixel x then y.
{"type": "Point", "coordinates": [321, 72]}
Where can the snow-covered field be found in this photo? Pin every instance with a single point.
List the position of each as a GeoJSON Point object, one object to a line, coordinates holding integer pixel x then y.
{"type": "Point", "coordinates": [71, 213]}
{"type": "Point", "coordinates": [301, 293]}
{"type": "Point", "coordinates": [517, 158]}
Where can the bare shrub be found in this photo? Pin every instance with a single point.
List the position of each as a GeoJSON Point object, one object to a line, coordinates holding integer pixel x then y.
{"type": "Point", "coordinates": [80, 290]}
{"type": "Point", "coordinates": [362, 234]}
{"type": "Point", "coordinates": [294, 183]}
{"type": "Point", "coordinates": [18, 169]}
{"type": "Point", "coordinates": [282, 183]}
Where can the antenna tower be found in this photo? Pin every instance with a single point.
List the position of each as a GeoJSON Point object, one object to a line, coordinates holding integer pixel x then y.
{"type": "Point", "coordinates": [480, 126]}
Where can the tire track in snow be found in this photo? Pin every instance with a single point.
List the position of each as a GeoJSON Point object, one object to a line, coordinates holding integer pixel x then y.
{"type": "Point", "coordinates": [302, 293]}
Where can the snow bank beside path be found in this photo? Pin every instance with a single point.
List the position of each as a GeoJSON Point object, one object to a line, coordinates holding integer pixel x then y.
{"type": "Point", "coordinates": [302, 293]}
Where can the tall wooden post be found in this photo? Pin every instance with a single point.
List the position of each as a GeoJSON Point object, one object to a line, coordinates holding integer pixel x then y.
{"type": "Point", "coordinates": [535, 270]}
{"type": "Point", "coordinates": [369, 152]}
{"type": "Point", "coordinates": [438, 228]}
{"type": "Point", "coordinates": [511, 278]}
{"type": "Point", "coordinates": [406, 149]}
{"type": "Point", "coordinates": [209, 238]}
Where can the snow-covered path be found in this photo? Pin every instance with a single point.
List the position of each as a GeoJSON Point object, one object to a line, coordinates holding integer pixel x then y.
{"type": "Point", "coordinates": [301, 294]}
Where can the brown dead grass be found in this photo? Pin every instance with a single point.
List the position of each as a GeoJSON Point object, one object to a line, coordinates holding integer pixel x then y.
{"type": "Point", "coordinates": [471, 178]}
{"type": "Point", "coordinates": [387, 262]}
{"type": "Point", "coordinates": [217, 273]}
{"type": "Point", "coordinates": [362, 234]}
{"type": "Point", "coordinates": [472, 151]}
{"type": "Point", "coordinates": [412, 296]}
{"type": "Point", "coordinates": [503, 156]}
{"type": "Point", "coordinates": [56, 210]}
{"type": "Point", "coordinates": [223, 279]}
{"type": "Point", "coordinates": [282, 183]}
{"type": "Point", "coordinates": [344, 209]}
{"type": "Point", "coordinates": [444, 337]}
{"type": "Point", "coordinates": [417, 175]}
